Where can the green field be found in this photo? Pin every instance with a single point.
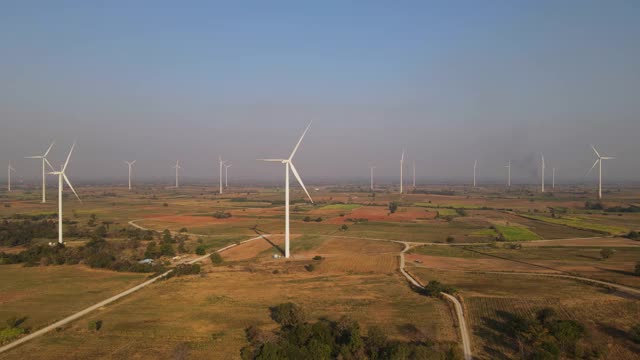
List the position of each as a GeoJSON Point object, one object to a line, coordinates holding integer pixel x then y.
{"type": "Point", "coordinates": [579, 224]}
{"type": "Point", "coordinates": [516, 233]}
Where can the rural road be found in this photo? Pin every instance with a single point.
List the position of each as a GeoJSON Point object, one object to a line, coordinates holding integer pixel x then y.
{"type": "Point", "coordinates": [108, 301]}
{"type": "Point", "coordinates": [464, 331]}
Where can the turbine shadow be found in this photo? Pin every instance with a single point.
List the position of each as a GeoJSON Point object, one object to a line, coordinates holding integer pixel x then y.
{"type": "Point", "coordinates": [262, 235]}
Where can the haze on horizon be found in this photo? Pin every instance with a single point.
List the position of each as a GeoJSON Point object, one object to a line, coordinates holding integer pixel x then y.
{"type": "Point", "coordinates": [451, 82]}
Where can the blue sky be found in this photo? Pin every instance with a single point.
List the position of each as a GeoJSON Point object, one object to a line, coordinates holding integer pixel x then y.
{"type": "Point", "coordinates": [450, 81]}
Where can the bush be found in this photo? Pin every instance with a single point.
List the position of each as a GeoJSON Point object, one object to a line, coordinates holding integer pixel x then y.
{"type": "Point", "coordinates": [637, 269]}
{"type": "Point", "coordinates": [9, 334]}
{"type": "Point", "coordinates": [318, 257]}
{"type": "Point", "coordinates": [393, 207]}
{"type": "Point", "coordinates": [606, 253]}
{"type": "Point", "coordinates": [450, 239]}
{"type": "Point", "coordinates": [216, 259]}
{"type": "Point", "coordinates": [319, 219]}
{"type": "Point", "coordinates": [307, 219]}
{"type": "Point", "coordinates": [310, 267]}
{"type": "Point", "coordinates": [287, 314]}
{"type": "Point", "coordinates": [200, 250]}
{"type": "Point", "coordinates": [434, 288]}
{"type": "Point", "coordinates": [633, 235]}
{"type": "Point", "coordinates": [634, 333]}
{"type": "Point", "coordinates": [221, 215]}
{"type": "Point", "coordinates": [95, 325]}
{"type": "Point", "coordinates": [344, 227]}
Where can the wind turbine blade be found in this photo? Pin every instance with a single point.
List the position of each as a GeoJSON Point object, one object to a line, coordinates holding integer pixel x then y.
{"type": "Point", "coordinates": [33, 157]}
{"type": "Point", "coordinates": [402, 158]}
{"type": "Point", "coordinates": [274, 160]}
{"type": "Point", "coordinates": [299, 141]}
{"type": "Point", "coordinates": [295, 173]}
{"type": "Point", "coordinates": [70, 186]}
{"type": "Point", "coordinates": [133, 162]}
{"type": "Point", "coordinates": [68, 157]}
{"type": "Point", "coordinates": [595, 151]}
{"type": "Point", "coordinates": [49, 149]}
{"type": "Point", "coordinates": [607, 158]}
{"type": "Point", "coordinates": [48, 163]}
{"type": "Point", "coordinates": [594, 165]}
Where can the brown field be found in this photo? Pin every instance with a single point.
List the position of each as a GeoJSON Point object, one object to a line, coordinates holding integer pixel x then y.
{"type": "Point", "coordinates": [466, 264]}
{"type": "Point", "coordinates": [380, 213]}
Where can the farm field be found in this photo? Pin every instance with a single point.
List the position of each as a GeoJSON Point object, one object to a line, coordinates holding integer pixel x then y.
{"type": "Point", "coordinates": [46, 294]}
{"type": "Point", "coordinates": [490, 299]}
{"type": "Point", "coordinates": [208, 313]}
{"type": "Point", "coordinates": [205, 316]}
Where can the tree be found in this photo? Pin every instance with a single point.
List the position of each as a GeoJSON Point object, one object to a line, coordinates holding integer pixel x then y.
{"type": "Point", "coordinates": [287, 314]}
{"type": "Point", "coordinates": [200, 250]}
{"type": "Point", "coordinates": [393, 207]}
{"type": "Point", "coordinates": [100, 231]}
{"type": "Point", "coordinates": [606, 253]}
{"type": "Point", "coordinates": [344, 227]}
{"type": "Point", "coordinates": [216, 259]}
{"type": "Point", "coordinates": [92, 220]}
{"type": "Point", "coordinates": [166, 249]}
{"type": "Point", "coordinates": [166, 237]}
{"type": "Point", "coordinates": [152, 251]}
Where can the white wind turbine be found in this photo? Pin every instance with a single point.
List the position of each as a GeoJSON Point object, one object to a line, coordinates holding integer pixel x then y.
{"type": "Point", "coordinates": [130, 163]}
{"type": "Point", "coordinates": [226, 174]}
{"type": "Point", "coordinates": [401, 171]}
{"type": "Point", "coordinates": [289, 165]}
{"type": "Point", "coordinates": [177, 167]}
{"type": "Point", "coordinates": [542, 166]}
{"type": "Point", "coordinates": [508, 166]}
{"type": "Point", "coordinates": [9, 170]}
{"type": "Point", "coordinates": [222, 163]}
{"type": "Point", "coordinates": [44, 161]}
{"type": "Point", "coordinates": [475, 166]}
{"type": "Point", "coordinates": [553, 178]}
{"type": "Point", "coordinates": [599, 161]}
{"type": "Point", "coordinates": [414, 174]}
{"type": "Point", "coordinates": [371, 173]}
{"type": "Point", "coordinates": [61, 175]}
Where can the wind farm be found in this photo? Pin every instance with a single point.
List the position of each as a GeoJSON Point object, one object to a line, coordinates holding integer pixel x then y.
{"type": "Point", "coordinates": [202, 248]}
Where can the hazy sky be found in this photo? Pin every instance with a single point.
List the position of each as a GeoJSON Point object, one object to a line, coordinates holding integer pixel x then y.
{"type": "Point", "coordinates": [450, 81]}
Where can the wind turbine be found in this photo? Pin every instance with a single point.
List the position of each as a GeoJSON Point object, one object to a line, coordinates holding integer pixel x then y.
{"type": "Point", "coordinates": [414, 174]}
{"type": "Point", "coordinates": [542, 166]}
{"type": "Point", "coordinates": [475, 166]}
{"type": "Point", "coordinates": [553, 178]}
{"type": "Point", "coordinates": [222, 163]}
{"type": "Point", "coordinates": [226, 174]}
{"type": "Point", "coordinates": [371, 171]}
{"type": "Point", "coordinates": [508, 166]}
{"type": "Point", "coordinates": [177, 167]}
{"type": "Point", "coordinates": [9, 170]}
{"type": "Point", "coordinates": [61, 175]}
{"type": "Point", "coordinates": [289, 165]}
{"type": "Point", "coordinates": [599, 161]}
{"type": "Point", "coordinates": [130, 163]}
{"type": "Point", "coordinates": [44, 160]}
{"type": "Point", "coordinates": [401, 170]}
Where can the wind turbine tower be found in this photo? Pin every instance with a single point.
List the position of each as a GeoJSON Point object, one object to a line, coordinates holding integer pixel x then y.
{"type": "Point", "coordinates": [401, 171]}
{"type": "Point", "coordinates": [130, 163]}
{"type": "Point", "coordinates": [414, 174]}
{"type": "Point", "coordinates": [553, 178]}
{"type": "Point", "coordinates": [371, 171]}
{"type": "Point", "coordinates": [542, 166]}
{"type": "Point", "coordinates": [508, 166]}
{"type": "Point", "coordinates": [226, 174]}
{"type": "Point", "coordinates": [475, 167]}
{"type": "Point", "coordinates": [599, 162]}
{"type": "Point", "coordinates": [61, 175]}
{"type": "Point", "coordinates": [289, 165]}
{"type": "Point", "coordinates": [221, 163]}
{"type": "Point", "coordinates": [177, 167]}
{"type": "Point", "coordinates": [44, 161]}
{"type": "Point", "coordinates": [9, 170]}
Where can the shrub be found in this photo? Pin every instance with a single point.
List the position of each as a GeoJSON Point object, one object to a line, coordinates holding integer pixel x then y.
{"type": "Point", "coordinates": [200, 250]}
{"type": "Point", "coordinates": [318, 257]}
{"type": "Point", "coordinates": [450, 239]}
{"type": "Point", "coordinates": [637, 269]}
{"type": "Point", "coordinates": [393, 207]}
{"type": "Point", "coordinates": [606, 253]}
{"type": "Point", "coordinates": [221, 214]}
{"type": "Point", "coordinates": [287, 314]}
{"type": "Point", "coordinates": [216, 259]}
{"type": "Point", "coordinates": [307, 219]}
{"type": "Point", "coordinates": [344, 227]}
{"type": "Point", "coordinates": [183, 230]}
{"type": "Point", "coordinates": [310, 267]}
{"type": "Point", "coordinates": [185, 269]}
{"type": "Point", "coordinates": [633, 235]}
{"type": "Point", "coordinates": [434, 288]}
{"type": "Point", "coordinates": [319, 219]}
{"type": "Point", "coordinates": [95, 325]}
{"type": "Point", "coordinates": [634, 333]}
